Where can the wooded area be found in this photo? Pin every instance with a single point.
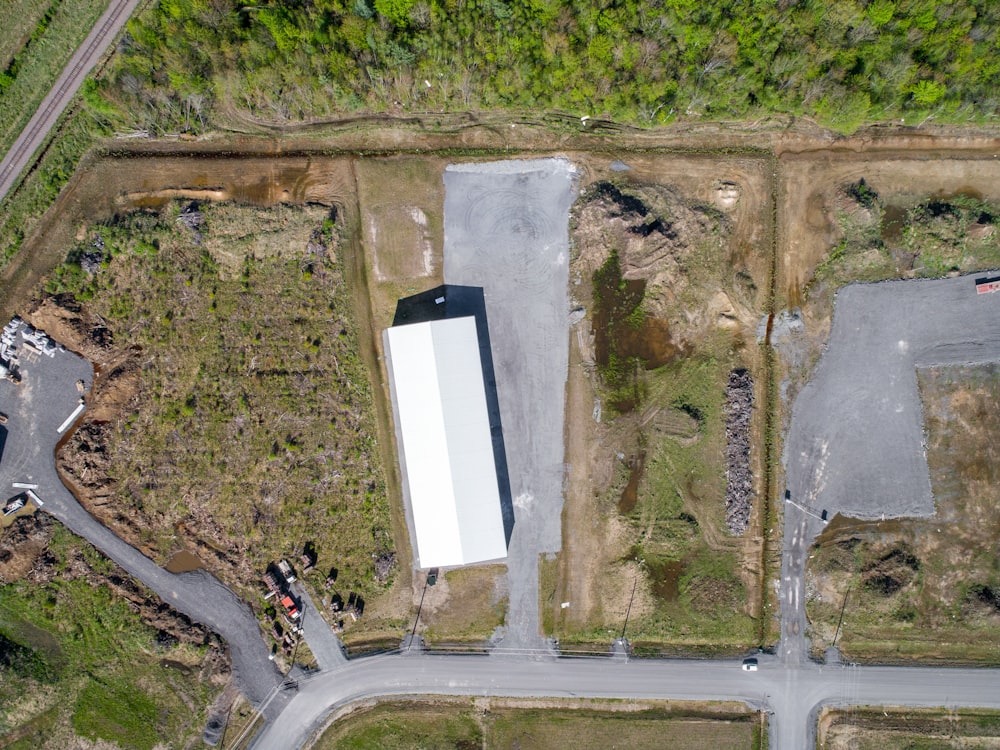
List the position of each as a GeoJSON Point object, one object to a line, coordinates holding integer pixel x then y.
{"type": "Point", "coordinates": [189, 64]}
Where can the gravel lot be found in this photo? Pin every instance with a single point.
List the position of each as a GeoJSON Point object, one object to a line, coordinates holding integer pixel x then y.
{"type": "Point", "coordinates": [507, 230]}
{"type": "Point", "coordinates": [856, 443]}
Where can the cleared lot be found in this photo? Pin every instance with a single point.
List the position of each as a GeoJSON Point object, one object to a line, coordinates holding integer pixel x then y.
{"type": "Point", "coordinates": [856, 443]}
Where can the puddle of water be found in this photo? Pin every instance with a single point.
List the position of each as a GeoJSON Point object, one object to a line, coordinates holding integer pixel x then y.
{"type": "Point", "coordinates": [666, 575]}
{"type": "Point", "coordinates": [630, 495]}
{"type": "Point", "coordinates": [25, 633]}
{"type": "Point", "coordinates": [617, 300]}
{"type": "Point", "coordinates": [183, 562]}
{"type": "Point", "coordinates": [893, 222]}
{"type": "Point", "coordinates": [650, 343]}
{"type": "Point", "coordinates": [966, 191]}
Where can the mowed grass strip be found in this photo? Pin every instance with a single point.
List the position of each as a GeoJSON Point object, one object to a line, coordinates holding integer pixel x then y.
{"type": "Point", "coordinates": [457, 725]}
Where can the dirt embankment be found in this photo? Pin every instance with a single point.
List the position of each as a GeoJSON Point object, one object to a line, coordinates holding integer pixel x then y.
{"type": "Point", "coordinates": [83, 458]}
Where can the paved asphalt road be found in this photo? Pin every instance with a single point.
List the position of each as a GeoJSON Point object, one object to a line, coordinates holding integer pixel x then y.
{"type": "Point", "coordinates": [793, 694]}
{"type": "Point", "coordinates": [66, 86]}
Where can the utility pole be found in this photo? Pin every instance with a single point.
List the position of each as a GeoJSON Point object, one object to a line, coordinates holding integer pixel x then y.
{"type": "Point", "coordinates": [628, 611]}
{"type": "Point", "coordinates": [413, 632]}
{"type": "Point", "coordinates": [841, 620]}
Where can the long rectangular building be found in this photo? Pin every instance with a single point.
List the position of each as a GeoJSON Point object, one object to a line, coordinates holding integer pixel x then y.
{"type": "Point", "coordinates": [445, 445]}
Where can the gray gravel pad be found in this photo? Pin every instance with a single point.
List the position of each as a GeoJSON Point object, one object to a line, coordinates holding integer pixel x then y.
{"type": "Point", "coordinates": [507, 230]}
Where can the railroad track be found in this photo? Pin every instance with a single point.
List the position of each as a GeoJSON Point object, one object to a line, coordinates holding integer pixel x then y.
{"type": "Point", "coordinates": [55, 102]}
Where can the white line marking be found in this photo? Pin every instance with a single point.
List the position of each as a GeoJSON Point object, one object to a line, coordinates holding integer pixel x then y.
{"type": "Point", "coordinates": [24, 486]}
{"type": "Point", "coordinates": [35, 499]}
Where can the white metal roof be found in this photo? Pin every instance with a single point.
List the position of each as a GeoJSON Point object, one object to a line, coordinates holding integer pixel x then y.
{"type": "Point", "coordinates": [445, 446]}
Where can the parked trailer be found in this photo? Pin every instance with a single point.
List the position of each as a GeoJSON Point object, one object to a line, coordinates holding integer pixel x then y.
{"type": "Point", "coordinates": [987, 284]}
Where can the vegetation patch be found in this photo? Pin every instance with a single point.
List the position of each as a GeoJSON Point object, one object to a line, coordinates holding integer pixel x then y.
{"type": "Point", "coordinates": [193, 64]}
{"type": "Point", "coordinates": [880, 239]}
{"type": "Point", "coordinates": [465, 605]}
{"type": "Point", "coordinates": [244, 332]}
{"type": "Point", "coordinates": [22, 209]}
{"type": "Point", "coordinates": [907, 728]}
{"type": "Point", "coordinates": [452, 724]}
{"type": "Point", "coordinates": [76, 658]}
{"type": "Point", "coordinates": [118, 713]}
{"type": "Point", "coordinates": [26, 16]}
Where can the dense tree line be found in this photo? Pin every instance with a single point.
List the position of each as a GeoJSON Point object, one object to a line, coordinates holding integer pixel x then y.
{"type": "Point", "coordinates": [844, 62]}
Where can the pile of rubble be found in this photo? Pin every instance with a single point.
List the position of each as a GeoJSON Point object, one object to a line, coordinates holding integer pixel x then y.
{"type": "Point", "coordinates": [739, 486]}
{"type": "Point", "coordinates": [192, 218]}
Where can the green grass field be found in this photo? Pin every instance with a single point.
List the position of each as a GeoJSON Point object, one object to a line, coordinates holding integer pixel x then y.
{"type": "Point", "coordinates": [457, 725]}
{"type": "Point", "coordinates": [21, 20]}
{"type": "Point", "coordinates": [78, 661]}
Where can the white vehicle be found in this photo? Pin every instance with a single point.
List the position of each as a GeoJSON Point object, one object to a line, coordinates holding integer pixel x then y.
{"type": "Point", "coordinates": [750, 665]}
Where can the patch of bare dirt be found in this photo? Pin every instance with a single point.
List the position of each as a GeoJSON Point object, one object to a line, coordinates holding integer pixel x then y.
{"type": "Point", "coordinates": [810, 194]}
{"type": "Point", "coordinates": [83, 457]}
{"type": "Point", "coordinates": [21, 546]}
{"type": "Point", "coordinates": [658, 233]}
{"type": "Point", "coordinates": [680, 249]}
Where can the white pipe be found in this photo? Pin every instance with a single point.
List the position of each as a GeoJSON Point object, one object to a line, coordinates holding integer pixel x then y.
{"type": "Point", "coordinates": [71, 418]}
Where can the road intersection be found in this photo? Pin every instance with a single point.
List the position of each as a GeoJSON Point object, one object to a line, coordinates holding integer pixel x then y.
{"type": "Point", "coordinates": [793, 693]}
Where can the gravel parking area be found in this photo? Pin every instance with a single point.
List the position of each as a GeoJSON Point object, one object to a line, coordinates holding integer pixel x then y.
{"type": "Point", "coordinates": [856, 444]}
{"type": "Point", "coordinates": [507, 230]}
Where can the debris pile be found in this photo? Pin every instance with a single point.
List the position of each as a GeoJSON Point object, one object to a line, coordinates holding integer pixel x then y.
{"type": "Point", "coordinates": [739, 479]}
{"type": "Point", "coordinates": [192, 218]}
{"type": "Point", "coordinates": [384, 564]}
{"type": "Point", "coordinates": [91, 260]}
